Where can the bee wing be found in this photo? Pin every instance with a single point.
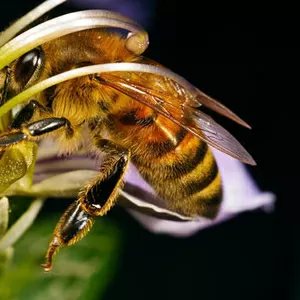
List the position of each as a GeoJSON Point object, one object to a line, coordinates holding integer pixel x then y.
{"type": "Point", "coordinates": [218, 137]}
{"type": "Point", "coordinates": [169, 99]}
{"type": "Point", "coordinates": [218, 107]}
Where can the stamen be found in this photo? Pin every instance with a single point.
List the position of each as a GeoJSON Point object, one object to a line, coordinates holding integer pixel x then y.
{"type": "Point", "coordinates": [31, 16]}
{"type": "Point", "coordinates": [101, 68]}
{"type": "Point", "coordinates": [67, 24]}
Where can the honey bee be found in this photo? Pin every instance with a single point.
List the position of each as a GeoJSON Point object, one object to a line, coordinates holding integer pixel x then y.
{"type": "Point", "coordinates": [143, 118]}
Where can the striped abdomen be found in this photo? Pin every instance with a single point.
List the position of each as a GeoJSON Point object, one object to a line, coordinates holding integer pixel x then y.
{"type": "Point", "coordinates": [177, 164]}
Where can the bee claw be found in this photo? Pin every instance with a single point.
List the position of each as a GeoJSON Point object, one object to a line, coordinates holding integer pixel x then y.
{"type": "Point", "coordinates": [47, 266]}
{"type": "Point", "coordinates": [53, 248]}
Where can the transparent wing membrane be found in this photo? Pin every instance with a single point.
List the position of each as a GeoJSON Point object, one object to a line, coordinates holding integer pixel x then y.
{"type": "Point", "coordinates": [168, 98]}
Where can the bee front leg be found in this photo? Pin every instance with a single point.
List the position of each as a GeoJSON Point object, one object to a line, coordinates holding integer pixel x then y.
{"type": "Point", "coordinates": [32, 130]}
{"type": "Point", "coordinates": [95, 199]}
{"type": "Point", "coordinates": [26, 113]}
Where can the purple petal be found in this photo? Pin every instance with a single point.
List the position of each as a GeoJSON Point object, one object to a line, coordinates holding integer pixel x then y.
{"type": "Point", "coordinates": [240, 194]}
{"type": "Point", "coordinates": [240, 191]}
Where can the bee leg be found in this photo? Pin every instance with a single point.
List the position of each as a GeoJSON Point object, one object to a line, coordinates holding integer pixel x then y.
{"type": "Point", "coordinates": [23, 116]}
{"type": "Point", "coordinates": [72, 226]}
{"type": "Point", "coordinates": [95, 199]}
{"type": "Point", "coordinates": [26, 113]}
{"type": "Point", "coordinates": [32, 130]}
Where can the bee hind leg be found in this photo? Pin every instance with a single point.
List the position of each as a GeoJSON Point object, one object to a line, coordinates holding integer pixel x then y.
{"type": "Point", "coordinates": [100, 194]}
{"type": "Point", "coordinates": [95, 199]}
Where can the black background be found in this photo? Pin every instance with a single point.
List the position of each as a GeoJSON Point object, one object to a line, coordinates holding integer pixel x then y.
{"type": "Point", "coordinates": [248, 59]}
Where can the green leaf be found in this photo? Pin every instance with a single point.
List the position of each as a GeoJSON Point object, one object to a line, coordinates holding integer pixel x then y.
{"type": "Point", "coordinates": [81, 271]}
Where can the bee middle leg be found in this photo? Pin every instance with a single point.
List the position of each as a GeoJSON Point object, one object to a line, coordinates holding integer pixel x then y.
{"type": "Point", "coordinates": [95, 199]}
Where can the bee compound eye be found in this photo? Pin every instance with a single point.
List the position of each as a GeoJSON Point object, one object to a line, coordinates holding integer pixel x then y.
{"type": "Point", "coordinates": [28, 66]}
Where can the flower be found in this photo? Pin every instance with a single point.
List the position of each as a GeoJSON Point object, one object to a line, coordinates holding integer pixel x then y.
{"type": "Point", "coordinates": [240, 191]}
{"type": "Point", "coordinates": [56, 176]}
{"type": "Point", "coordinates": [241, 194]}
{"type": "Point", "coordinates": [40, 172]}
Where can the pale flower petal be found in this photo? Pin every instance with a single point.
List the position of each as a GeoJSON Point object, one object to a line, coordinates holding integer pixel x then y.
{"type": "Point", "coordinates": [240, 191]}
{"type": "Point", "coordinates": [240, 194]}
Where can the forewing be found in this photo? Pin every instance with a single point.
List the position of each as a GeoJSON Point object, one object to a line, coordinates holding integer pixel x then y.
{"type": "Point", "coordinates": [215, 135]}
{"type": "Point", "coordinates": [176, 103]}
{"type": "Point", "coordinates": [157, 92]}
{"type": "Point", "coordinates": [214, 105]}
